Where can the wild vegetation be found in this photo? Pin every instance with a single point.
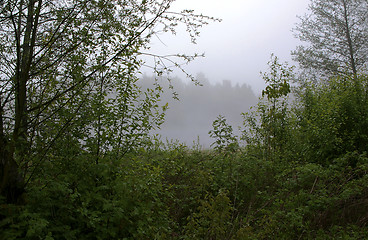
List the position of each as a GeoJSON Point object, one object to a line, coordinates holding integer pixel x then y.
{"type": "Point", "coordinates": [307, 182]}
{"type": "Point", "coordinates": [77, 161]}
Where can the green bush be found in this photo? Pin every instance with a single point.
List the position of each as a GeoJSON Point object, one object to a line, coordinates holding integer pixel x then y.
{"type": "Point", "coordinates": [333, 119]}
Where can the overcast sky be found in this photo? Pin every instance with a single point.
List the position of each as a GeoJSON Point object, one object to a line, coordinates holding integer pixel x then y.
{"type": "Point", "coordinates": [239, 47]}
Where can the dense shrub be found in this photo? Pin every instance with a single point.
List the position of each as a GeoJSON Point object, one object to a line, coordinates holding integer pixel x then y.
{"type": "Point", "coordinates": [313, 187]}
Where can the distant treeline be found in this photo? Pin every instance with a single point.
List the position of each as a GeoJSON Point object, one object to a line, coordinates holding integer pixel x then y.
{"type": "Point", "coordinates": [190, 118]}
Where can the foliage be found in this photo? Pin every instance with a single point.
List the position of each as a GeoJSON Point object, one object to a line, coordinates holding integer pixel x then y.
{"type": "Point", "coordinates": [69, 74]}
{"type": "Point", "coordinates": [334, 33]}
{"type": "Point", "coordinates": [319, 171]}
{"type": "Point", "coordinates": [78, 142]}
{"type": "Point", "coordinates": [277, 80]}
{"type": "Point", "coordinates": [222, 133]}
{"type": "Point", "coordinates": [333, 119]}
{"type": "Point", "coordinates": [269, 125]}
{"type": "Point", "coordinates": [179, 193]}
{"type": "Point", "coordinates": [212, 221]}
{"type": "Point", "coordinates": [169, 191]}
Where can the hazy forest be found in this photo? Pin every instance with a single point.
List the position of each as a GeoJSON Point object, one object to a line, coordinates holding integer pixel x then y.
{"type": "Point", "coordinates": [189, 118]}
{"type": "Point", "coordinates": [81, 156]}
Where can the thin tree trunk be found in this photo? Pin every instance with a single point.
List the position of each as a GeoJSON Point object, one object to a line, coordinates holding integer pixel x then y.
{"type": "Point", "coordinates": [349, 41]}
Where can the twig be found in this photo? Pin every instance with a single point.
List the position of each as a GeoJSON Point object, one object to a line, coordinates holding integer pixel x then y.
{"type": "Point", "coordinates": [314, 184]}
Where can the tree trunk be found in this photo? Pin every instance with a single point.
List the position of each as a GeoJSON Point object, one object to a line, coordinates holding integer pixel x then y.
{"type": "Point", "coordinates": [349, 41]}
{"type": "Point", "coordinates": [11, 185]}
{"type": "Point", "coordinates": [15, 151]}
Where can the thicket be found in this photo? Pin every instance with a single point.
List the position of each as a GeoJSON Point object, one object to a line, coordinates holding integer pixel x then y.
{"type": "Point", "coordinates": [76, 161]}
{"type": "Point", "coordinates": [308, 181]}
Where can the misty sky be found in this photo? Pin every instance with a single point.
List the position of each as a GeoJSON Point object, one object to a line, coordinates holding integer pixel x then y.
{"type": "Point", "coordinates": [239, 47]}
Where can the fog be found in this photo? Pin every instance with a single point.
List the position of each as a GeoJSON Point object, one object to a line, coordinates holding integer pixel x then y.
{"type": "Point", "coordinates": [236, 50]}
{"type": "Point", "coordinates": [238, 47]}
{"type": "Point", "coordinates": [190, 118]}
